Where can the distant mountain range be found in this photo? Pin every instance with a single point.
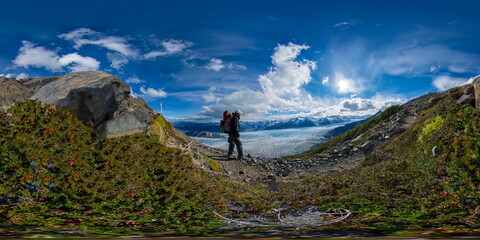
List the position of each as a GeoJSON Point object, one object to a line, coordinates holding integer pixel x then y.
{"type": "Point", "coordinates": [194, 128]}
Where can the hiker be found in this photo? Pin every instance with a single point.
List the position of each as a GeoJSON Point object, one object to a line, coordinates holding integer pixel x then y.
{"type": "Point", "coordinates": [234, 135]}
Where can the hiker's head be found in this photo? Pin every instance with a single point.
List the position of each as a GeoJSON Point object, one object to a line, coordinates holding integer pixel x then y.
{"type": "Point", "coordinates": [238, 112]}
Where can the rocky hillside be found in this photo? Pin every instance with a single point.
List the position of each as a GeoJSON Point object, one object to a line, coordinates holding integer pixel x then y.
{"type": "Point", "coordinates": [353, 147]}
{"type": "Point", "coordinates": [413, 166]}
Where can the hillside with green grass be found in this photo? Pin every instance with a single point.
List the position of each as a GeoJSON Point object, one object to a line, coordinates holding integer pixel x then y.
{"type": "Point", "coordinates": [425, 177]}
{"type": "Point", "coordinates": [56, 174]}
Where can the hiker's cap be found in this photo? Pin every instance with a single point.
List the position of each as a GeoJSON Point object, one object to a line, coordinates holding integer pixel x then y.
{"type": "Point", "coordinates": [238, 112]}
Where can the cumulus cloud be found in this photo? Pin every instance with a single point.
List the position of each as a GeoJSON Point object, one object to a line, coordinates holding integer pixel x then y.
{"type": "Point", "coordinates": [170, 47]}
{"type": "Point", "coordinates": [153, 93]}
{"type": "Point", "coordinates": [281, 87]}
{"type": "Point", "coordinates": [357, 104]}
{"type": "Point", "coordinates": [31, 55]}
{"type": "Point", "coordinates": [210, 97]}
{"type": "Point", "coordinates": [134, 80]}
{"type": "Point", "coordinates": [215, 64]}
{"type": "Point", "coordinates": [446, 82]}
{"type": "Point", "coordinates": [77, 63]}
{"type": "Point", "coordinates": [287, 75]}
{"type": "Point", "coordinates": [87, 36]}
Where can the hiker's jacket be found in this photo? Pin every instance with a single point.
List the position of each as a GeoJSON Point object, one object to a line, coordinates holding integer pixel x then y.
{"type": "Point", "coordinates": [235, 125]}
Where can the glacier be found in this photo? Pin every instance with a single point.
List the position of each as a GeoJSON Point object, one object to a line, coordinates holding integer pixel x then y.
{"type": "Point", "coordinates": [270, 144]}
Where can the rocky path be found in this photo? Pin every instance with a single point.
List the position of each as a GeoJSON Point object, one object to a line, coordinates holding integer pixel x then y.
{"type": "Point", "coordinates": [344, 155]}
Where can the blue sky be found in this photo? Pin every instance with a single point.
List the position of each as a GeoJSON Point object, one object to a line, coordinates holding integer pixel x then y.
{"type": "Point", "coordinates": [270, 59]}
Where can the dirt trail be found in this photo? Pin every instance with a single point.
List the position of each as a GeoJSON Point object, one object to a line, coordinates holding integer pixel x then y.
{"type": "Point", "coordinates": [248, 170]}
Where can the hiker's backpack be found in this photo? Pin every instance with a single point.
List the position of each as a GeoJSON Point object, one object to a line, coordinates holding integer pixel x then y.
{"type": "Point", "coordinates": [225, 122]}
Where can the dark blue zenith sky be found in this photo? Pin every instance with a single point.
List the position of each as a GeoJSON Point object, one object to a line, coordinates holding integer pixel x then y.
{"type": "Point", "coordinates": [270, 59]}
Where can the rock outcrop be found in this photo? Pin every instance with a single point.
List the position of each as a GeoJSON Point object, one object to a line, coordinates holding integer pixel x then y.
{"type": "Point", "coordinates": [99, 99]}
{"type": "Point", "coordinates": [476, 87]}
{"type": "Point", "coordinates": [12, 91]}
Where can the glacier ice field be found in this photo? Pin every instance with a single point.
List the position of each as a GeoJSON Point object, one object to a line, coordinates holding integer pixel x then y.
{"type": "Point", "coordinates": [272, 144]}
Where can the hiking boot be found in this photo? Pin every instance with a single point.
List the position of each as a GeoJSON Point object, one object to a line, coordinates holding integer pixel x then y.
{"type": "Point", "coordinates": [230, 157]}
{"type": "Point", "coordinates": [241, 158]}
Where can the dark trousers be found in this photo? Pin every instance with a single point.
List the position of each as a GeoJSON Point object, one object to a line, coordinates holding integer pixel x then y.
{"type": "Point", "coordinates": [233, 140]}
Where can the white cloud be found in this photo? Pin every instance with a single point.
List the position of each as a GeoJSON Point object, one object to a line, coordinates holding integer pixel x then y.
{"type": "Point", "coordinates": [77, 63]}
{"type": "Point", "coordinates": [87, 36]}
{"type": "Point", "coordinates": [419, 59]}
{"type": "Point", "coordinates": [32, 56]}
{"type": "Point", "coordinates": [232, 66]}
{"type": "Point", "coordinates": [134, 80]}
{"type": "Point", "coordinates": [215, 64]}
{"type": "Point", "coordinates": [446, 82]}
{"type": "Point", "coordinates": [133, 94]}
{"type": "Point", "coordinates": [36, 56]}
{"type": "Point", "coordinates": [154, 54]}
{"type": "Point", "coordinates": [175, 46]}
{"type": "Point", "coordinates": [209, 97]}
{"type": "Point", "coordinates": [347, 23]}
{"type": "Point", "coordinates": [117, 60]}
{"type": "Point", "coordinates": [14, 75]}
{"type": "Point", "coordinates": [22, 76]}
{"type": "Point", "coordinates": [357, 104]}
{"type": "Point", "coordinates": [153, 93]}
{"type": "Point", "coordinates": [281, 86]}
{"type": "Point", "coordinates": [325, 80]}
{"type": "Point", "coordinates": [287, 76]}
{"type": "Point", "coordinates": [171, 47]}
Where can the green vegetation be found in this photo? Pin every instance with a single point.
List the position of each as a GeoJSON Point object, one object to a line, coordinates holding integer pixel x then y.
{"type": "Point", "coordinates": [56, 174]}
{"type": "Point", "coordinates": [430, 128]}
{"type": "Point", "coordinates": [162, 129]}
{"type": "Point", "coordinates": [212, 163]}
{"type": "Point", "coordinates": [428, 177]}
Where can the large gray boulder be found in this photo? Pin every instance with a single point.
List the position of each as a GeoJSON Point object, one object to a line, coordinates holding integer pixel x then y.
{"type": "Point", "coordinates": [90, 96]}
{"type": "Point", "coordinates": [98, 99]}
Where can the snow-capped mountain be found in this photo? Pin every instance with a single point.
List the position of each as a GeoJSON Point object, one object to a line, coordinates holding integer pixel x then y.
{"type": "Point", "coordinates": [266, 124]}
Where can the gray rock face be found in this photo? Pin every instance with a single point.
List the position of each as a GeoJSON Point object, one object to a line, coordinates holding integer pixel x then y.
{"type": "Point", "coordinates": [12, 91]}
{"type": "Point", "coordinates": [133, 116]}
{"type": "Point", "coordinates": [90, 96]}
{"type": "Point", "coordinates": [476, 87]}
{"type": "Point", "coordinates": [466, 98]}
{"type": "Point", "coordinates": [36, 83]}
